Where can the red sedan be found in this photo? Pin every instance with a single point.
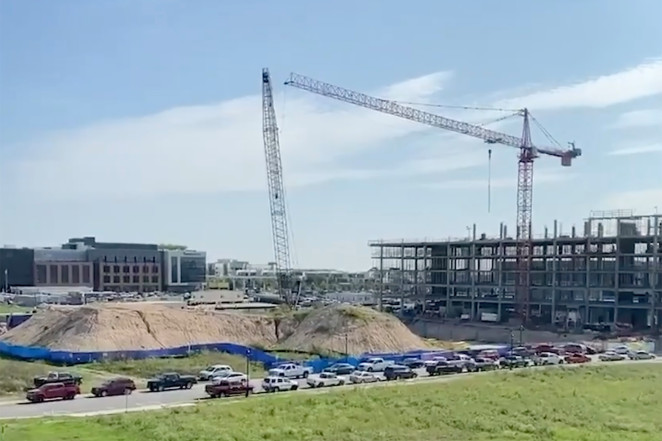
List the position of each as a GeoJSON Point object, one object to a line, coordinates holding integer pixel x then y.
{"type": "Point", "coordinates": [577, 358]}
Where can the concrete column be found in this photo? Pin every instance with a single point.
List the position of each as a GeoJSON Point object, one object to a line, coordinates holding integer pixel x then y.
{"type": "Point", "coordinates": [554, 268]}
{"type": "Point", "coordinates": [472, 274]}
{"type": "Point", "coordinates": [381, 276]}
{"type": "Point", "coordinates": [617, 287]}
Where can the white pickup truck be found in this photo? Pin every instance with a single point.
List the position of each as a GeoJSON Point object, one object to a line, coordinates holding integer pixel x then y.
{"type": "Point", "coordinates": [374, 364]}
{"type": "Point", "coordinates": [291, 370]}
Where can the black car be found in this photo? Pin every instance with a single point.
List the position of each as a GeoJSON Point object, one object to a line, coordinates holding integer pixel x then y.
{"type": "Point", "coordinates": [399, 372]}
{"type": "Point", "coordinates": [171, 380]}
{"type": "Point", "coordinates": [340, 369]}
{"type": "Point", "coordinates": [443, 367]}
{"type": "Point", "coordinates": [413, 363]}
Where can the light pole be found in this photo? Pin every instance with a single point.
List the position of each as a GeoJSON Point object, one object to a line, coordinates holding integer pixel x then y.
{"type": "Point", "coordinates": [248, 369]}
{"type": "Point", "coordinates": [346, 349]}
{"type": "Point", "coordinates": [521, 333]}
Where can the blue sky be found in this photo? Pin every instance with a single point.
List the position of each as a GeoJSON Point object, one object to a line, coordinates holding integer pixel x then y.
{"type": "Point", "coordinates": [140, 120]}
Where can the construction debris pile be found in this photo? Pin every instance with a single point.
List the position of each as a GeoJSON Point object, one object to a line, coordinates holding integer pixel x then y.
{"type": "Point", "coordinates": [136, 326]}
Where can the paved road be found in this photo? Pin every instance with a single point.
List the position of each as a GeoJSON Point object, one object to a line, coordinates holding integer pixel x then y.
{"type": "Point", "coordinates": [143, 400]}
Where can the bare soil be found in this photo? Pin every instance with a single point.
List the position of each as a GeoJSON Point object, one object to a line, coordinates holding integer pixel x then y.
{"type": "Point", "coordinates": [132, 326]}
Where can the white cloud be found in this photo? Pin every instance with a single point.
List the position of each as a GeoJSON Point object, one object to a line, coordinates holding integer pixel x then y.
{"type": "Point", "coordinates": [639, 118]}
{"type": "Point", "coordinates": [510, 182]}
{"type": "Point", "coordinates": [628, 151]}
{"type": "Point", "coordinates": [641, 81]}
{"type": "Point", "coordinates": [218, 147]}
{"type": "Point", "coordinates": [641, 201]}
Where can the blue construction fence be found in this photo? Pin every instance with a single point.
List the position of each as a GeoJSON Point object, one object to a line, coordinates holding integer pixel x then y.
{"type": "Point", "coordinates": [253, 354]}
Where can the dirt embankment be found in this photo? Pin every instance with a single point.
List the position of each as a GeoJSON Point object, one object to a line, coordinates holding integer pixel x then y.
{"type": "Point", "coordinates": [111, 327]}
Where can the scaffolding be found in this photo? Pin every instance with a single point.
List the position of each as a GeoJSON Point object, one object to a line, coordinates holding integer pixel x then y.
{"type": "Point", "coordinates": [610, 273]}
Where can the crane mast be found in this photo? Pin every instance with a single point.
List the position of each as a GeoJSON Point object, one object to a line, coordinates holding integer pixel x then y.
{"type": "Point", "coordinates": [527, 153]}
{"type": "Point", "coordinates": [277, 204]}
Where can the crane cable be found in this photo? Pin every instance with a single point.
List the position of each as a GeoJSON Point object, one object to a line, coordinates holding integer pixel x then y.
{"type": "Point", "coordinates": [489, 180]}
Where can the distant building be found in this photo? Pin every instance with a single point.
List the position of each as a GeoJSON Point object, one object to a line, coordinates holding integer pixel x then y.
{"type": "Point", "coordinates": [183, 270]}
{"type": "Point", "coordinates": [16, 267]}
{"type": "Point", "coordinates": [62, 267]}
{"type": "Point", "coordinates": [121, 267]}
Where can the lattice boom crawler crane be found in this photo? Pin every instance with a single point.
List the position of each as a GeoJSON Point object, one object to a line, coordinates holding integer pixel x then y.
{"type": "Point", "coordinates": [527, 153]}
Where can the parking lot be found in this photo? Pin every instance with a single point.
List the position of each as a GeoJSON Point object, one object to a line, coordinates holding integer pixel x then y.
{"type": "Point", "coordinates": [146, 400]}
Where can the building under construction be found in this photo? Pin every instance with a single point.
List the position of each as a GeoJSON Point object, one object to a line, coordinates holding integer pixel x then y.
{"type": "Point", "coordinates": [608, 274]}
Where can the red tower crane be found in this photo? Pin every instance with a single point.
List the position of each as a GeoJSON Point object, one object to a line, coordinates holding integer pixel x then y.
{"type": "Point", "coordinates": [527, 153]}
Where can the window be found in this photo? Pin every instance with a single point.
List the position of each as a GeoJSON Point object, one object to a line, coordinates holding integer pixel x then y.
{"type": "Point", "coordinates": [136, 269]}
{"type": "Point", "coordinates": [106, 268]}
{"type": "Point", "coordinates": [145, 269]}
{"type": "Point", "coordinates": [155, 269]}
{"type": "Point", "coordinates": [155, 279]}
{"type": "Point", "coordinates": [106, 279]}
{"type": "Point", "coordinates": [64, 274]}
{"type": "Point", "coordinates": [54, 274]}
{"type": "Point", "coordinates": [136, 279]}
{"type": "Point", "coordinates": [126, 279]}
{"type": "Point", "coordinates": [126, 269]}
{"type": "Point", "coordinates": [145, 279]}
{"type": "Point", "coordinates": [41, 274]}
{"type": "Point", "coordinates": [75, 274]}
{"type": "Point", "coordinates": [116, 279]}
{"type": "Point", "coordinates": [116, 269]}
{"type": "Point", "coordinates": [86, 274]}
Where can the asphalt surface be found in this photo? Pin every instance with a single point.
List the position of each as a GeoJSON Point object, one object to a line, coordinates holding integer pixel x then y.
{"type": "Point", "coordinates": [145, 400]}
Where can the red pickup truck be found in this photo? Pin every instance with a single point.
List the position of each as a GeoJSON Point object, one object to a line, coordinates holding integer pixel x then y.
{"type": "Point", "coordinates": [226, 388]}
{"type": "Point", "coordinates": [51, 391]}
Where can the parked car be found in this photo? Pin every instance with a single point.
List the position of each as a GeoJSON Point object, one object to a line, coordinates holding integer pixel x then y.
{"type": "Point", "coordinates": [225, 375]}
{"type": "Point", "coordinates": [363, 377]}
{"type": "Point", "coordinates": [492, 354]}
{"type": "Point", "coordinates": [413, 363]}
{"type": "Point", "coordinates": [574, 348]}
{"type": "Point", "coordinates": [213, 371]}
{"type": "Point", "coordinates": [399, 372]}
{"type": "Point", "coordinates": [611, 356]}
{"type": "Point", "coordinates": [52, 391]}
{"type": "Point", "coordinates": [641, 355]}
{"type": "Point", "coordinates": [325, 379]}
{"type": "Point", "coordinates": [623, 350]}
{"type": "Point", "coordinates": [340, 368]}
{"type": "Point", "coordinates": [434, 360]}
{"type": "Point", "coordinates": [443, 367]}
{"type": "Point", "coordinates": [114, 386]}
{"type": "Point", "coordinates": [547, 359]}
{"type": "Point", "coordinates": [291, 370]}
{"type": "Point", "coordinates": [482, 364]}
{"type": "Point", "coordinates": [514, 361]}
{"type": "Point", "coordinates": [374, 364]}
{"type": "Point", "coordinates": [543, 347]}
{"type": "Point", "coordinates": [577, 358]}
{"type": "Point", "coordinates": [57, 377]}
{"type": "Point", "coordinates": [171, 380]}
{"type": "Point", "coordinates": [279, 384]}
{"type": "Point", "coordinates": [226, 388]}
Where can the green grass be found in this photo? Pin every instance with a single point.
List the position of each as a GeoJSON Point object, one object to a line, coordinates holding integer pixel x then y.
{"type": "Point", "coordinates": [589, 404]}
{"type": "Point", "coordinates": [15, 376]}
{"type": "Point", "coordinates": [186, 365]}
{"type": "Point", "coordinates": [7, 309]}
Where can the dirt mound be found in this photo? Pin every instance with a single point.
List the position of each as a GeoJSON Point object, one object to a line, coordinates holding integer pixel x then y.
{"type": "Point", "coordinates": [366, 330]}
{"type": "Point", "coordinates": [133, 326]}
{"type": "Point", "coordinates": [110, 327]}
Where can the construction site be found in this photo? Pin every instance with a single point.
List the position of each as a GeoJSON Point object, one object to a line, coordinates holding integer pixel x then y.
{"type": "Point", "coordinates": [608, 273]}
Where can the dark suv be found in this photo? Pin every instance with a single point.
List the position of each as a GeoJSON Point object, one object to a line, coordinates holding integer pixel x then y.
{"type": "Point", "coordinates": [115, 386]}
{"type": "Point", "coordinates": [398, 372]}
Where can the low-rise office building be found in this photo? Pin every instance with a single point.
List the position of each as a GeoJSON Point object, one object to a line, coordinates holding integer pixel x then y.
{"type": "Point", "coordinates": [183, 270]}
{"type": "Point", "coordinates": [62, 267]}
{"type": "Point", "coordinates": [121, 267]}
